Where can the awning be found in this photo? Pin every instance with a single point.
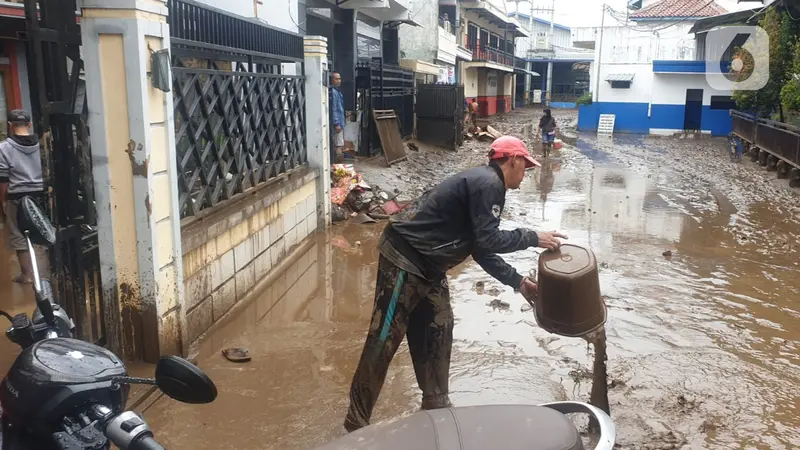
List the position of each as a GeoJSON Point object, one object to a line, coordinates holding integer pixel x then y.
{"type": "Point", "coordinates": [620, 77]}
{"type": "Point", "coordinates": [418, 66]}
{"type": "Point", "coordinates": [529, 72]}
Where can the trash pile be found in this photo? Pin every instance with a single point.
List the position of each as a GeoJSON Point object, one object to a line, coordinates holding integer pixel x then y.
{"type": "Point", "coordinates": [352, 197]}
{"type": "Point", "coordinates": [482, 131]}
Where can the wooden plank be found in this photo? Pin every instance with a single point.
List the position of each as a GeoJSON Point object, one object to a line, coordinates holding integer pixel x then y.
{"type": "Point", "coordinates": [389, 132]}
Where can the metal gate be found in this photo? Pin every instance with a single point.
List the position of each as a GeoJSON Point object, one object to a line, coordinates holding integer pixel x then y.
{"type": "Point", "coordinates": [383, 86]}
{"type": "Point", "coordinates": [58, 94]}
{"type": "Point", "coordinates": [239, 111]}
{"type": "Point", "coordinates": [440, 115]}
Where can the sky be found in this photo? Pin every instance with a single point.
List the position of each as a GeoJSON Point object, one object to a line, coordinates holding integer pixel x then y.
{"type": "Point", "coordinates": [590, 9]}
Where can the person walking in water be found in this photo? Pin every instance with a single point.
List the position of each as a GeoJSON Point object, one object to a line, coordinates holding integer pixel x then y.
{"type": "Point", "coordinates": [548, 127]}
{"type": "Point", "coordinates": [20, 176]}
{"type": "Point", "coordinates": [456, 219]}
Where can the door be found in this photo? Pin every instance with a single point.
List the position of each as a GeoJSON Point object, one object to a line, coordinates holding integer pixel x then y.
{"type": "Point", "coordinates": [440, 114]}
{"type": "Point", "coordinates": [694, 110]}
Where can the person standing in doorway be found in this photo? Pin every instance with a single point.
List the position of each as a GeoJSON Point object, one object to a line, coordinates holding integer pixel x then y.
{"type": "Point", "coordinates": [456, 219]}
{"type": "Point", "coordinates": [20, 176]}
{"type": "Point", "coordinates": [338, 121]}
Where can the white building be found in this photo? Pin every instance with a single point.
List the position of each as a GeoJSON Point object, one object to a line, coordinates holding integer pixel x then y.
{"type": "Point", "coordinates": [647, 73]}
{"type": "Point", "coordinates": [570, 65]}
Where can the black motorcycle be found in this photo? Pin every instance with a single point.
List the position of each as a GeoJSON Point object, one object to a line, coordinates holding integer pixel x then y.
{"type": "Point", "coordinates": [65, 394]}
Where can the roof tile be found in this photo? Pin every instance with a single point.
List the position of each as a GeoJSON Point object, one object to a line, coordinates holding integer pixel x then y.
{"type": "Point", "coordinates": [679, 9]}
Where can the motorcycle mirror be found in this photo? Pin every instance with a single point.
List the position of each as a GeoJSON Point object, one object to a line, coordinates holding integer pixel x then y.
{"type": "Point", "coordinates": [31, 219]}
{"type": "Point", "coordinates": [183, 381]}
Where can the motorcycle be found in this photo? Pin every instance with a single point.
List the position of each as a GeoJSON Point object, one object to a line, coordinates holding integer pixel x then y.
{"type": "Point", "coordinates": [510, 427]}
{"type": "Point", "coordinates": [65, 394]}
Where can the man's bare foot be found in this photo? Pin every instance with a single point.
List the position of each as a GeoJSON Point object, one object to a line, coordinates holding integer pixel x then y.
{"type": "Point", "coordinates": [22, 279]}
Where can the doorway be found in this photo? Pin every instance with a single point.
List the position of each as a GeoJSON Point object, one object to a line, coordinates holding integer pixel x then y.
{"type": "Point", "coordinates": [694, 110]}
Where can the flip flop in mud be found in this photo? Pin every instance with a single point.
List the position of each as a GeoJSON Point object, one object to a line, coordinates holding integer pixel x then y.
{"type": "Point", "coordinates": [237, 355]}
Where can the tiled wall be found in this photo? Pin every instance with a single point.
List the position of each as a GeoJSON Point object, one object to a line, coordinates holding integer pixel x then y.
{"type": "Point", "coordinates": [225, 254]}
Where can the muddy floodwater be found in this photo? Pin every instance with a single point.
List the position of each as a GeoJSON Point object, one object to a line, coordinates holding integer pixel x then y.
{"type": "Point", "coordinates": [699, 265]}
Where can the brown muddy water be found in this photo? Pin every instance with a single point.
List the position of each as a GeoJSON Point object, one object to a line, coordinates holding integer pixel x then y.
{"type": "Point", "coordinates": [702, 342]}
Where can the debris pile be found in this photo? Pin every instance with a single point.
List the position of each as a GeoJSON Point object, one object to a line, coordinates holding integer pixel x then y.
{"type": "Point", "coordinates": [351, 196]}
{"type": "Point", "coordinates": [482, 131]}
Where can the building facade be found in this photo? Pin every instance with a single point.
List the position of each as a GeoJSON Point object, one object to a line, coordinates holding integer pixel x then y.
{"type": "Point", "coordinates": [14, 86]}
{"type": "Point", "coordinates": [489, 34]}
{"type": "Point", "coordinates": [537, 56]}
{"type": "Point", "coordinates": [648, 73]}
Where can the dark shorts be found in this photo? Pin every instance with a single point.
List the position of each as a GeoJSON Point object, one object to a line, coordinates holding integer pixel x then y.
{"type": "Point", "coordinates": [548, 138]}
{"type": "Point", "coordinates": [16, 240]}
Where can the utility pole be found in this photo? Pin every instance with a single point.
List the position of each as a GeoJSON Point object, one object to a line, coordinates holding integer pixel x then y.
{"type": "Point", "coordinates": [599, 55]}
{"type": "Point", "coordinates": [550, 48]}
{"type": "Point", "coordinates": [552, 52]}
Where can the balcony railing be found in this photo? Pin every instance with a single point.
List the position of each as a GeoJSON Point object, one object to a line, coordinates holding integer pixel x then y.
{"type": "Point", "coordinates": [447, 26]}
{"type": "Point", "coordinates": [481, 53]}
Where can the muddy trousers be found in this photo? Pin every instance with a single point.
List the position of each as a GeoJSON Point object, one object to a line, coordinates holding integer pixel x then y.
{"type": "Point", "coordinates": [405, 306]}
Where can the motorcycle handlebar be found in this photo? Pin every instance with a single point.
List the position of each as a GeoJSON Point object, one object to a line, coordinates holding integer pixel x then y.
{"type": "Point", "coordinates": [128, 431]}
{"type": "Point", "coordinates": [145, 443]}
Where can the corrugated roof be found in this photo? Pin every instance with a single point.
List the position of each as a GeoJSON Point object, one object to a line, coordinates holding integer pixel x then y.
{"type": "Point", "coordinates": [619, 77]}
{"type": "Point", "coordinates": [679, 9]}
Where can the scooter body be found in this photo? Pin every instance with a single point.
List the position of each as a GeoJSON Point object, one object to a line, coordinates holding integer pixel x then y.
{"type": "Point", "coordinates": [507, 427]}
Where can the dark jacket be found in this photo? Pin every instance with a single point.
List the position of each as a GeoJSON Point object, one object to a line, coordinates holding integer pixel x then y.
{"type": "Point", "coordinates": [547, 123]}
{"type": "Point", "coordinates": [456, 219]}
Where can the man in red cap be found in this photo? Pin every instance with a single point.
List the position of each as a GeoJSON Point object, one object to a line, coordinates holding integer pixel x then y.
{"type": "Point", "coordinates": [456, 219]}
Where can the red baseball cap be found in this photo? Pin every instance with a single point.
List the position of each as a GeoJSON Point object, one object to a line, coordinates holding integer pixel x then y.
{"type": "Point", "coordinates": [509, 146]}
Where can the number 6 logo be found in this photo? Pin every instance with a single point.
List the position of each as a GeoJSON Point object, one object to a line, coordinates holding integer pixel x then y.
{"type": "Point", "coordinates": [737, 58]}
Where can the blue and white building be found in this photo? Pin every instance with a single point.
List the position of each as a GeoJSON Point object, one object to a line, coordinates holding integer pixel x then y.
{"type": "Point", "coordinates": [652, 76]}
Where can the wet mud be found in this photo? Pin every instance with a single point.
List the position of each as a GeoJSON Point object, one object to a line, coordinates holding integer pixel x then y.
{"type": "Point", "coordinates": [698, 264]}
{"type": "Point", "coordinates": [14, 298]}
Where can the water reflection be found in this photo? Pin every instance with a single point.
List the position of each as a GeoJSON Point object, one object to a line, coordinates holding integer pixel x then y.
{"type": "Point", "coordinates": [703, 346]}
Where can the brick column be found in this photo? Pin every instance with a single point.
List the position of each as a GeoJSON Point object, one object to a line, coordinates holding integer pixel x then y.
{"type": "Point", "coordinates": [317, 118]}
{"type": "Point", "coordinates": [135, 178]}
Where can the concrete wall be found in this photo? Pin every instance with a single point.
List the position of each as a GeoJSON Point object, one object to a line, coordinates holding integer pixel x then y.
{"type": "Point", "coordinates": [669, 99]}
{"type": "Point", "coordinates": [562, 37]}
{"type": "Point", "coordinates": [421, 43]}
{"type": "Point", "coordinates": [470, 80]}
{"type": "Point", "coordinates": [225, 254]}
{"type": "Point", "coordinates": [640, 88]}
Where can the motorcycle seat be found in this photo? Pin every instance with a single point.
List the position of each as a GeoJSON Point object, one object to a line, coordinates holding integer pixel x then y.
{"type": "Point", "coordinates": [486, 427]}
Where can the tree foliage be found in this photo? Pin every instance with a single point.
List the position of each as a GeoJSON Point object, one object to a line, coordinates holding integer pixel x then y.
{"type": "Point", "coordinates": [790, 94]}
{"type": "Point", "coordinates": [783, 37]}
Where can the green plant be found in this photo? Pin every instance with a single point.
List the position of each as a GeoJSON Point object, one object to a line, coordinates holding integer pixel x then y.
{"type": "Point", "coordinates": [783, 33]}
{"type": "Point", "coordinates": [790, 93]}
{"type": "Point", "coordinates": [585, 99]}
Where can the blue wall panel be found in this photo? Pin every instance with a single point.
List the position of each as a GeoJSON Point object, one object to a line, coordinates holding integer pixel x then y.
{"type": "Point", "coordinates": [631, 117]}
{"type": "Point", "coordinates": [667, 116]}
{"type": "Point", "coordinates": [718, 121]}
{"type": "Point", "coordinates": [587, 117]}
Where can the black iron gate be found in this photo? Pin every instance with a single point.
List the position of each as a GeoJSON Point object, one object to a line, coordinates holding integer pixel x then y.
{"type": "Point", "coordinates": [239, 116]}
{"type": "Point", "coordinates": [58, 95]}
{"type": "Point", "coordinates": [440, 115]}
{"type": "Point", "coordinates": [383, 86]}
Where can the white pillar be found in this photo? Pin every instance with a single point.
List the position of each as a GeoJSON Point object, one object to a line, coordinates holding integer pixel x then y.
{"type": "Point", "coordinates": [317, 118]}
{"type": "Point", "coordinates": [135, 177]}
